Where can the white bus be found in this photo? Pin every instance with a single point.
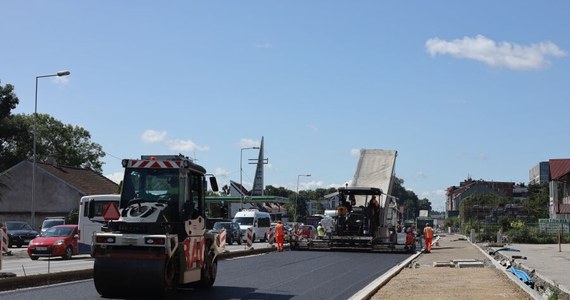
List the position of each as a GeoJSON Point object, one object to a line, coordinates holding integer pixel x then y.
{"type": "Point", "coordinates": [258, 221]}
{"type": "Point", "coordinates": [88, 226]}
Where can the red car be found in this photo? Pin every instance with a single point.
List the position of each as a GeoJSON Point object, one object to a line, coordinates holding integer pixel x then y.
{"type": "Point", "coordinates": [60, 240]}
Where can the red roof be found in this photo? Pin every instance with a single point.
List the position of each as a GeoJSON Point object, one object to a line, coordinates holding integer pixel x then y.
{"type": "Point", "coordinates": [559, 168]}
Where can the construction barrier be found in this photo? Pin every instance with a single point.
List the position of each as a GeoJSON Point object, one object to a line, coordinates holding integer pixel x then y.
{"type": "Point", "coordinates": [271, 236]}
{"type": "Point", "coordinates": [223, 238]}
{"type": "Point", "coordinates": [4, 244]}
{"type": "Point", "coordinates": [1, 246]}
{"type": "Point", "coordinates": [249, 243]}
{"type": "Point", "coordinates": [4, 240]}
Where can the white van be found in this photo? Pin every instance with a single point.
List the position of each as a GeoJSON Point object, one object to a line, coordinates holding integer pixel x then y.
{"type": "Point", "coordinates": [50, 222]}
{"type": "Point", "coordinates": [258, 221]}
{"type": "Point", "coordinates": [89, 226]}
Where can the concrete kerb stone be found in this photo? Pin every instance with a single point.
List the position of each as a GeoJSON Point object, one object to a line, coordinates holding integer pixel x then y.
{"type": "Point", "coordinates": [470, 264]}
{"type": "Point", "coordinates": [371, 289]}
{"type": "Point", "coordinates": [509, 275]}
{"type": "Point", "coordinates": [19, 282]}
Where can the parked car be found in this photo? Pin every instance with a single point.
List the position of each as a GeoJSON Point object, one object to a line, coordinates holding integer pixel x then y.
{"type": "Point", "coordinates": [50, 222]}
{"type": "Point", "coordinates": [60, 240]}
{"type": "Point", "coordinates": [233, 232]}
{"type": "Point", "coordinates": [19, 233]}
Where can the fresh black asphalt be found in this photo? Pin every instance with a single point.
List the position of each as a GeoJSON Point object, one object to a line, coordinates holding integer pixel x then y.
{"type": "Point", "coordinates": [285, 275]}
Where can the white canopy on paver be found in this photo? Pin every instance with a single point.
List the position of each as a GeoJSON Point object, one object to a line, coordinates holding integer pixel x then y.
{"type": "Point", "coordinates": [375, 168]}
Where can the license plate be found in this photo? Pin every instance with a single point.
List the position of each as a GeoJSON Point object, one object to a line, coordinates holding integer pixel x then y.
{"type": "Point", "coordinates": [41, 248]}
{"type": "Point", "coordinates": [26, 241]}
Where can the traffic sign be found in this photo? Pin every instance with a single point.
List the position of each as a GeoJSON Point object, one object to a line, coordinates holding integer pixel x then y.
{"type": "Point", "coordinates": [111, 212]}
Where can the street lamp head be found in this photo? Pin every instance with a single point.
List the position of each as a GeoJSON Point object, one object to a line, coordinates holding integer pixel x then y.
{"type": "Point", "coordinates": [63, 73]}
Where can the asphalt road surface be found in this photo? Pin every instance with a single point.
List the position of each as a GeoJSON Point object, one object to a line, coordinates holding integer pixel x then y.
{"type": "Point", "coordinates": [286, 275]}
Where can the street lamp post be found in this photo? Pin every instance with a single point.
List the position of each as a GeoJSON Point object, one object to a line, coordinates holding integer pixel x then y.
{"type": "Point", "coordinates": [297, 194]}
{"type": "Point", "coordinates": [58, 74]}
{"type": "Point", "coordinates": [241, 172]}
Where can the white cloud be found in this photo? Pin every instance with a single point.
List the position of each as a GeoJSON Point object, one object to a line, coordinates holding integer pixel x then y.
{"type": "Point", "coordinates": [421, 174]}
{"type": "Point", "coordinates": [314, 128]}
{"type": "Point", "coordinates": [220, 172]}
{"type": "Point", "coordinates": [153, 136]}
{"type": "Point", "coordinates": [458, 101]}
{"type": "Point", "coordinates": [247, 143]}
{"type": "Point", "coordinates": [437, 198]}
{"type": "Point", "coordinates": [61, 80]}
{"type": "Point", "coordinates": [264, 45]}
{"type": "Point", "coordinates": [337, 185]}
{"type": "Point", "coordinates": [310, 185]}
{"type": "Point", "coordinates": [502, 54]}
{"type": "Point", "coordinates": [115, 177]}
{"type": "Point", "coordinates": [185, 146]}
{"type": "Point", "coordinates": [355, 152]}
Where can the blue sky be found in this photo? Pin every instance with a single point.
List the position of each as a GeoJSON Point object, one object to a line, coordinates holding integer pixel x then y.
{"type": "Point", "coordinates": [460, 89]}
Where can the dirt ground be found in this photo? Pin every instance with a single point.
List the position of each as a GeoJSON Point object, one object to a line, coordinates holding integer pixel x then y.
{"type": "Point", "coordinates": [424, 281]}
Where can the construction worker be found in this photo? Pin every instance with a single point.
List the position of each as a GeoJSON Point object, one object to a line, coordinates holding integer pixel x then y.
{"type": "Point", "coordinates": [320, 230]}
{"type": "Point", "coordinates": [410, 239]}
{"type": "Point", "coordinates": [428, 236]}
{"type": "Point", "coordinates": [279, 236]}
{"type": "Point", "coordinates": [373, 210]}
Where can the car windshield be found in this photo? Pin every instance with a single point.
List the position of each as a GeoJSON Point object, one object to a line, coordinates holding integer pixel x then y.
{"type": "Point", "coordinates": [244, 220]}
{"type": "Point", "coordinates": [58, 231]}
{"type": "Point", "coordinates": [18, 226]}
{"type": "Point", "coordinates": [219, 226]}
{"type": "Point", "coordinates": [51, 223]}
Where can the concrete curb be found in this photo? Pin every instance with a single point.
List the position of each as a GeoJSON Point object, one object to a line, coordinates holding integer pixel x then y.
{"type": "Point", "coordinates": [14, 283]}
{"type": "Point", "coordinates": [372, 288]}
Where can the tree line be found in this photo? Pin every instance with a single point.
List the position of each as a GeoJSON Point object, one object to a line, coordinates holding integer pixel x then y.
{"type": "Point", "coordinates": [68, 145]}
{"type": "Point", "coordinates": [408, 201]}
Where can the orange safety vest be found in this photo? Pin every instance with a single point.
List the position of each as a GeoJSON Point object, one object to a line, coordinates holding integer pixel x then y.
{"type": "Point", "coordinates": [428, 232]}
{"type": "Point", "coordinates": [409, 239]}
{"type": "Point", "coordinates": [279, 230]}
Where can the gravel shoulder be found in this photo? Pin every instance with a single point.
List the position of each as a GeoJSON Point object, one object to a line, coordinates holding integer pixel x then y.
{"type": "Point", "coordinates": [422, 280]}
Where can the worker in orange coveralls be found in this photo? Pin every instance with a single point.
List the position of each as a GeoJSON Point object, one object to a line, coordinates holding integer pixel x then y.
{"type": "Point", "coordinates": [428, 235]}
{"type": "Point", "coordinates": [279, 236]}
{"type": "Point", "coordinates": [410, 240]}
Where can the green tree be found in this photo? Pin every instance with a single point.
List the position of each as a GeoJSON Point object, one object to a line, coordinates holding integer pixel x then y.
{"type": "Point", "coordinates": [474, 205]}
{"type": "Point", "coordinates": [409, 200]}
{"type": "Point", "coordinates": [452, 222]}
{"type": "Point", "coordinates": [537, 201]}
{"type": "Point", "coordinates": [8, 101]}
{"type": "Point", "coordinates": [276, 191]}
{"type": "Point", "coordinates": [424, 204]}
{"type": "Point", "coordinates": [68, 145]}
